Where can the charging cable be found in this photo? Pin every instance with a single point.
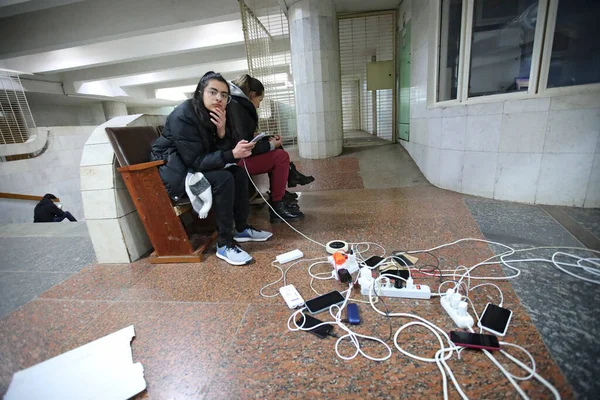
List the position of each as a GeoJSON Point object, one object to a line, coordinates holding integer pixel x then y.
{"type": "Point", "coordinates": [336, 312]}
{"type": "Point", "coordinates": [271, 207]}
{"type": "Point", "coordinates": [283, 276]}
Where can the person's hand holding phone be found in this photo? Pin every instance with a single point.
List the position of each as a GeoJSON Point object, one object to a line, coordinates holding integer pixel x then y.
{"type": "Point", "coordinates": [243, 149]}
{"type": "Point", "coordinates": [276, 140]}
{"type": "Point", "coordinates": [218, 117]}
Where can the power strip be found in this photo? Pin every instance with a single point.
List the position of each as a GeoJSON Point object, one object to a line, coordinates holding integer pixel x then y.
{"type": "Point", "coordinates": [457, 309]}
{"type": "Point", "coordinates": [387, 289]}
{"type": "Point", "coordinates": [351, 265]}
{"type": "Point", "coordinates": [416, 292]}
{"type": "Point", "coordinates": [289, 256]}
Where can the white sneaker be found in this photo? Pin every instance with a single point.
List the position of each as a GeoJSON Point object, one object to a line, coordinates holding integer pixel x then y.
{"type": "Point", "coordinates": [234, 255]}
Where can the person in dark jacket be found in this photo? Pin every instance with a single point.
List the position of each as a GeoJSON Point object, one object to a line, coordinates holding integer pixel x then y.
{"type": "Point", "coordinates": [268, 156]}
{"type": "Point", "coordinates": [47, 211]}
{"type": "Point", "coordinates": [199, 137]}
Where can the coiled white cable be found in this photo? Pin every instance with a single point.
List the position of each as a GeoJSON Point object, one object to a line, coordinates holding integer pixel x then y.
{"type": "Point", "coordinates": [336, 312]}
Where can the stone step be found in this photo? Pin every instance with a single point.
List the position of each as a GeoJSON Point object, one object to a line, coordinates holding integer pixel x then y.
{"type": "Point", "coordinates": [56, 229]}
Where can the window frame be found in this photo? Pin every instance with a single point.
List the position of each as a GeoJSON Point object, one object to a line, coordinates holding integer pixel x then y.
{"type": "Point", "coordinates": [540, 61]}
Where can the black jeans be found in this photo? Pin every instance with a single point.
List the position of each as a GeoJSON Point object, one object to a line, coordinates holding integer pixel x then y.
{"type": "Point", "coordinates": [67, 215]}
{"type": "Point", "coordinates": [230, 198]}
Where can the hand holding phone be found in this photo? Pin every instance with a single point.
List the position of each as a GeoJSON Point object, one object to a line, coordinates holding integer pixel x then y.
{"type": "Point", "coordinates": [243, 149]}
{"type": "Point", "coordinates": [258, 137]}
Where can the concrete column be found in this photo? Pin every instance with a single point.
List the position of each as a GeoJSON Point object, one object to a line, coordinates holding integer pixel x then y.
{"type": "Point", "coordinates": [315, 49]}
{"type": "Point", "coordinates": [114, 109]}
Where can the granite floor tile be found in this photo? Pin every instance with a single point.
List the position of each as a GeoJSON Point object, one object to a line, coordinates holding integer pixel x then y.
{"type": "Point", "coordinates": [308, 367]}
{"type": "Point", "coordinates": [17, 288]}
{"type": "Point", "coordinates": [99, 282]}
{"type": "Point", "coordinates": [331, 181]}
{"type": "Point", "coordinates": [334, 165]}
{"type": "Point", "coordinates": [179, 344]}
{"type": "Point", "coordinates": [214, 281]}
{"type": "Point", "coordinates": [40, 330]}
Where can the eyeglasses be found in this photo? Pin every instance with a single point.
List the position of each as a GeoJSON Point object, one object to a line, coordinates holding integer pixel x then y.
{"type": "Point", "coordinates": [213, 94]}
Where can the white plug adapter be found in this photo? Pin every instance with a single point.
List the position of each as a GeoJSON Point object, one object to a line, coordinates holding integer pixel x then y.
{"type": "Point", "coordinates": [289, 256]}
{"type": "Point", "coordinates": [457, 310]}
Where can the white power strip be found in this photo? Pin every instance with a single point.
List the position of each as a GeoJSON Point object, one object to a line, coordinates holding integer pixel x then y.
{"type": "Point", "coordinates": [456, 309]}
{"type": "Point", "coordinates": [289, 256]}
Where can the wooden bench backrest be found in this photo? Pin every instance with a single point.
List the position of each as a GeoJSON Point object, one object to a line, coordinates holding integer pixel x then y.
{"type": "Point", "coordinates": [132, 144]}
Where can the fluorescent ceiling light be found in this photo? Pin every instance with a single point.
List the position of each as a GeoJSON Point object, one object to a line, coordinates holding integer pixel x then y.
{"type": "Point", "coordinates": [174, 93]}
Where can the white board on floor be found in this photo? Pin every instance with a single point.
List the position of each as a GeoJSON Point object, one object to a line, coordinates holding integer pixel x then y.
{"type": "Point", "coordinates": [102, 369]}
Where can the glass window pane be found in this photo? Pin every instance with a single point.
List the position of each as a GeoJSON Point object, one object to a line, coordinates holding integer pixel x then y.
{"type": "Point", "coordinates": [576, 47]}
{"type": "Point", "coordinates": [501, 46]}
{"type": "Point", "coordinates": [451, 20]}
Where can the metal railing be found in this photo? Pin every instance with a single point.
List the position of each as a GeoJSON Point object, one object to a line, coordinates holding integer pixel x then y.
{"type": "Point", "coordinates": [267, 38]}
{"type": "Point", "coordinates": [16, 119]}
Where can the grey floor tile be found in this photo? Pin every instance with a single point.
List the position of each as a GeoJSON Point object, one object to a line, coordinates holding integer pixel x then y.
{"type": "Point", "coordinates": [565, 310]}
{"type": "Point", "coordinates": [17, 288]}
{"type": "Point", "coordinates": [58, 254]}
{"type": "Point", "coordinates": [589, 218]}
{"type": "Point", "coordinates": [513, 223]}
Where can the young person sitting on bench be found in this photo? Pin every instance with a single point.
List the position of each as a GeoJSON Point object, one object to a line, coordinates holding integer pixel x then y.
{"type": "Point", "coordinates": [268, 156]}
{"type": "Point", "coordinates": [198, 136]}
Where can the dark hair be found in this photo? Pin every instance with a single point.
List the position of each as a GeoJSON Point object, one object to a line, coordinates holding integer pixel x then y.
{"type": "Point", "coordinates": [249, 84]}
{"type": "Point", "coordinates": [198, 101]}
{"type": "Point", "coordinates": [49, 196]}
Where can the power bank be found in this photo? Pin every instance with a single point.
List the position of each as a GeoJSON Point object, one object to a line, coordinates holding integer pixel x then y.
{"type": "Point", "coordinates": [352, 312]}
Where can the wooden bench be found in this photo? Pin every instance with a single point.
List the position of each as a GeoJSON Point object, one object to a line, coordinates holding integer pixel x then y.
{"type": "Point", "coordinates": [160, 215]}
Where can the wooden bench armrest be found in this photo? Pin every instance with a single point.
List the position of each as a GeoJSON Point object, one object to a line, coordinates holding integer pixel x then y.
{"type": "Point", "coordinates": [138, 167]}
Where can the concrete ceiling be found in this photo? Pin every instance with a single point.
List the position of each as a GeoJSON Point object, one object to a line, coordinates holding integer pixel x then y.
{"type": "Point", "coordinates": [129, 50]}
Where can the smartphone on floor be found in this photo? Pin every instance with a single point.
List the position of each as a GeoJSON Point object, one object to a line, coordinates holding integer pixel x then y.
{"type": "Point", "coordinates": [495, 319]}
{"type": "Point", "coordinates": [474, 340]}
{"type": "Point", "coordinates": [309, 322]}
{"type": "Point", "coordinates": [322, 303]}
{"type": "Point", "coordinates": [373, 261]}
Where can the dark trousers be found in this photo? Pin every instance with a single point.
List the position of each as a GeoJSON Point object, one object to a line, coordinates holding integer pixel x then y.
{"type": "Point", "coordinates": [277, 164]}
{"type": "Point", "coordinates": [67, 215]}
{"type": "Point", "coordinates": [230, 200]}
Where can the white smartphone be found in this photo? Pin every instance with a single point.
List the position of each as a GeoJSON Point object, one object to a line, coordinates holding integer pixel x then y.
{"type": "Point", "coordinates": [258, 137]}
{"type": "Point", "coordinates": [495, 319]}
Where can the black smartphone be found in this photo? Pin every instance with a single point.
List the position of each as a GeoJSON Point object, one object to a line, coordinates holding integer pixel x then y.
{"type": "Point", "coordinates": [373, 261]}
{"type": "Point", "coordinates": [322, 303]}
{"type": "Point", "coordinates": [308, 322]}
{"type": "Point", "coordinates": [403, 261]}
{"type": "Point", "coordinates": [495, 319]}
{"type": "Point", "coordinates": [475, 340]}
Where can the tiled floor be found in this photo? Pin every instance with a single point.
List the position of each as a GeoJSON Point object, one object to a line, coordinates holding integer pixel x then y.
{"type": "Point", "coordinates": [203, 330]}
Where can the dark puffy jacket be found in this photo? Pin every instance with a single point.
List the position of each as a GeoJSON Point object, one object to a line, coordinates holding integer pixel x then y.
{"type": "Point", "coordinates": [46, 210]}
{"type": "Point", "coordinates": [245, 118]}
{"type": "Point", "coordinates": [188, 144]}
